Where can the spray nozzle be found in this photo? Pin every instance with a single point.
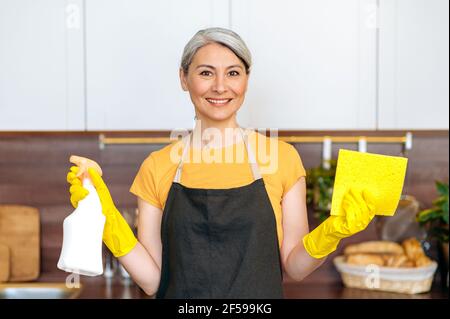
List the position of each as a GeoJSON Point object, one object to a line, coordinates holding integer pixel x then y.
{"type": "Point", "coordinates": [84, 163]}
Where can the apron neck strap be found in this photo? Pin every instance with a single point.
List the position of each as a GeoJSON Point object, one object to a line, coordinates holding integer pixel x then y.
{"type": "Point", "coordinates": [251, 157]}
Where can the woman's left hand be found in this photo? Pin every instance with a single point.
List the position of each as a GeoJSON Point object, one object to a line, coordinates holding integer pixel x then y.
{"type": "Point", "coordinates": [357, 211]}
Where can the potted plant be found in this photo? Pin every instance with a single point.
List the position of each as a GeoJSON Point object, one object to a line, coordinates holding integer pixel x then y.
{"type": "Point", "coordinates": [319, 189]}
{"type": "Point", "coordinates": [435, 221]}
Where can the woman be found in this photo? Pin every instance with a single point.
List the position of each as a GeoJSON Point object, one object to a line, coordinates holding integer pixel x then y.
{"type": "Point", "coordinates": [221, 230]}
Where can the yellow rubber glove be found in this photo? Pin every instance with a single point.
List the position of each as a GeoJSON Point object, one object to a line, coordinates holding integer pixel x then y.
{"type": "Point", "coordinates": [117, 234]}
{"type": "Point", "coordinates": [358, 209]}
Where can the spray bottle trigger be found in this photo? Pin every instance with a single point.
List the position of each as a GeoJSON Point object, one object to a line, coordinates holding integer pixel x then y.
{"type": "Point", "coordinates": [84, 163]}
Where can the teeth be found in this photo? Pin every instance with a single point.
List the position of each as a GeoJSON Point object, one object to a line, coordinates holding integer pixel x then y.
{"type": "Point", "coordinates": [218, 101]}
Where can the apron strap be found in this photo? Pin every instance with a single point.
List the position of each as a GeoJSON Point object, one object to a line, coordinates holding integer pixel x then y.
{"type": "Point", "coordinates": [187, 141]}
{"type": "Point", "coordinates": [250, 155]}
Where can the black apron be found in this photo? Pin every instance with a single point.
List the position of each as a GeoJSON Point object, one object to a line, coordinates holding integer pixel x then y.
{"type": "Point", "coordinates": [220, 243]}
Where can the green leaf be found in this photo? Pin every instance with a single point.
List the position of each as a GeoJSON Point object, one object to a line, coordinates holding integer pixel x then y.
{"type": "Point", "coordinates": [445, 212]}
{"type": "Point", "coordinates": [319, 185]}
{"type": "Point", "coordinates": [427, 214]}
{"type": "Point", "coordinates": [441, 200]}
{"type": "Point", "coordinates": [442, 188]}
{"type": "Point", "coordinates": [444, 207]}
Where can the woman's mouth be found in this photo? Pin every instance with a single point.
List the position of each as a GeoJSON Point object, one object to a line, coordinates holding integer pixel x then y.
{"type": "Point", "coordinates": [218, 102]}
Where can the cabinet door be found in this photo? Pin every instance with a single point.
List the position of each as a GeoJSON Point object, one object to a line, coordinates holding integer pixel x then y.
{"type": "Point", "coordinates": [41, 65]}
{"type": "Point", "coordinates": [314, 62]}
{"type": "Point", "coordinates": [133, 56]}
{"type": "Point", "coordinates": [413, 64]}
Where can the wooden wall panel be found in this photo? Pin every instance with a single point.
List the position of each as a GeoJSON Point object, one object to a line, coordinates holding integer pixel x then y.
{"type": "Point", "coordinates": [33, 167]}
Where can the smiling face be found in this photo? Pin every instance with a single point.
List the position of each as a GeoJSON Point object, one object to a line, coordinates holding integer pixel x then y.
{"type": "Point", "coordinates": [217, 82]}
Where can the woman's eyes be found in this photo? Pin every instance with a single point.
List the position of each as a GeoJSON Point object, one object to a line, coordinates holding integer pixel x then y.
{"type": "Point", "coordinates": [208, 73]}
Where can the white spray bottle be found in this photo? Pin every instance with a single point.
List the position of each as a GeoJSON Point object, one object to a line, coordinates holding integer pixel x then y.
{"type": "Point", "coordinates": [81, 251]}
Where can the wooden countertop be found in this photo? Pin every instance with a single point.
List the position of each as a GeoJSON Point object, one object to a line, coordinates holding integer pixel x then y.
{"type": "Point", "coordinates": [119, 288]}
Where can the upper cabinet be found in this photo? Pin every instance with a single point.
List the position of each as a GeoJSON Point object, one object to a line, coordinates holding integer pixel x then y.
{"type": "Point", "coordinates": [413, 64]}
{"type": "Point", "coordinates": [133, 55]}
{"type": "Point", "coordinates": [314, 62]}
{"type": "Point", "coordinates": [41, 65]}
{"type": "Point", "coordinates": [317, 64]}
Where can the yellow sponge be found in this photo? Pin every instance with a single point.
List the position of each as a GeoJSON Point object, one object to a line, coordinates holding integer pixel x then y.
{"type": "Point", "coordinates": [382, 175]}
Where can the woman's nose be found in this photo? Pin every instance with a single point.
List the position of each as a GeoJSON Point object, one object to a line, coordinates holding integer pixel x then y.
{"type": "Point", "coordinates": [219, 85]}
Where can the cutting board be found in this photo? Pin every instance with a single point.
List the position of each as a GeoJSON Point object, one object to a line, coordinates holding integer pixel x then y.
{"type": "Point", "coordinates": [4, 263]}
{"type": "Point", "coordinates": [19, 230]}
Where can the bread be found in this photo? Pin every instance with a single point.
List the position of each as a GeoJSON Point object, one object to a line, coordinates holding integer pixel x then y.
{"type": "Point", "coordinates": [408, 264]}
{"type": "Point", "coordinates": [397, 261]}
{"type": "Point", "coordinates": [412, 248]}
{"type": "Point", "coordinates": [422, 261]}
{"type": "Point", "coordinates": [375, 247]}
{"type": "Point", "coordinates": [387, 254]}
{"type": "Point", "coordinates": [365, 259]}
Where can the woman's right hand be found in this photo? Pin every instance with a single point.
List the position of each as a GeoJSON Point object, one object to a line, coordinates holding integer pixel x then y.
{"type": "Point", "coordinates": [117, 234]}
{"type": "Point", "coordinates": [119, 237]}
{"type": "Point", "coordinates": [77, 191]}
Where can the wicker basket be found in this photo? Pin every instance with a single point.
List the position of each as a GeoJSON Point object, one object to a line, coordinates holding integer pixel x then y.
{"type": "Point", "coordinates": [373, 277]}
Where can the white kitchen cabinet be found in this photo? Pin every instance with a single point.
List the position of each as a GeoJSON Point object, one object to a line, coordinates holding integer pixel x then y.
{"type": "Point", "coordinates": [41, 65]}
{"type": "Point", "coordinates": [133, 55]}
{"type": "Point", "coordinates": [314, 62]}
{"type": "Point", "coordinates": [413, 64]}
{"type": "Point", "coordinates": [318, 64]}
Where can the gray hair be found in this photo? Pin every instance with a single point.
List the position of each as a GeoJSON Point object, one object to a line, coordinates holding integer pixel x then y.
{"type": "Point", "coordinates": [225, 37]}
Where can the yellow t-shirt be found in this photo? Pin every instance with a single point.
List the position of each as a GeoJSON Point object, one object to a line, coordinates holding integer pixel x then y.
{"type": "Point", "coordinates": [279, 164]}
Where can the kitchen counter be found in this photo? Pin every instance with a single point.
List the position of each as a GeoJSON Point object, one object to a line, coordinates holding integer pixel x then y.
{"type": "Point", "coordinates": [338, 291]}
{"type": "Point", "coordinates": [119, 288]}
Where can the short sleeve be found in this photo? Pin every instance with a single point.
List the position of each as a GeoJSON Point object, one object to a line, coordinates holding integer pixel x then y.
{"type": "Point", "coordinates": [292, 168]}
{"type": "Point", "coordinates": [145, 185]}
